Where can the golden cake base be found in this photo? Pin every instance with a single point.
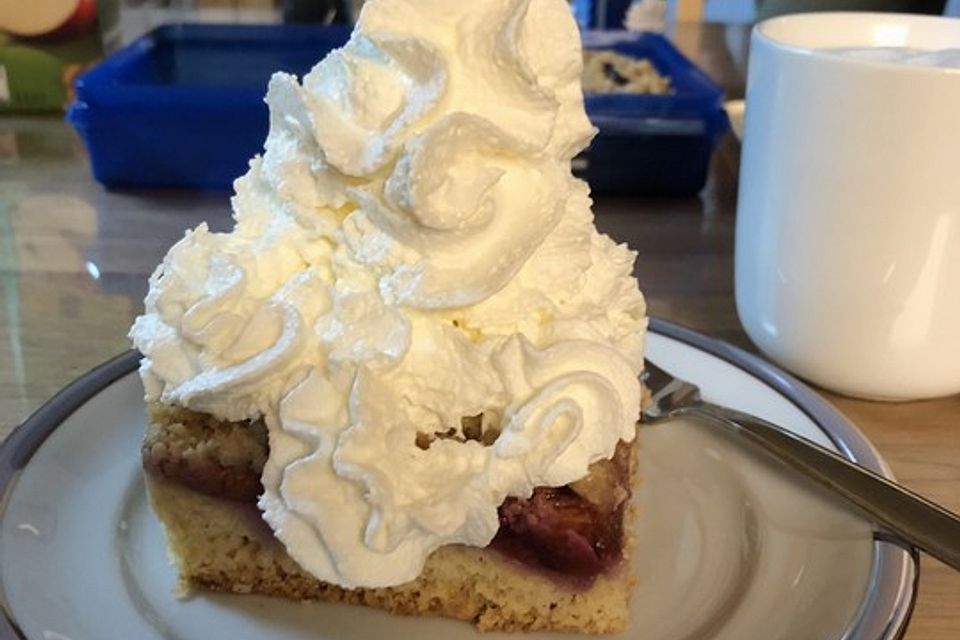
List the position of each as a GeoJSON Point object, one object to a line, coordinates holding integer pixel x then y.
{"type": "Point", "coordinates": [223, 545]}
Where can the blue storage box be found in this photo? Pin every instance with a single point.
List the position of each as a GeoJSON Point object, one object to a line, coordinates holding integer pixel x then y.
{"type": "Point", "coordinates": [652, 144]}
{"type": "Point", "coordinates": [183, 106]}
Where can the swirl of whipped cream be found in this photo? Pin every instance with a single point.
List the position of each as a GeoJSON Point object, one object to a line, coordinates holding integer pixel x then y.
{"type": "Point", "coordinates": [480, 183]}
{"type": "Point", "coordinates": [416, 500]}
{"type": "Point", "coordinates": [467, 200]}
{"type": "Point", "coordinates": [411, 252]}
{"type": "Point", "coordinates": [559, 393]}
{"type": "Point", "coordinates": [228, 318]}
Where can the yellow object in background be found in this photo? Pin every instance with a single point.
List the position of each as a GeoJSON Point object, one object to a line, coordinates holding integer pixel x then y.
{"type": "Point", "coordinates": [46, 44]}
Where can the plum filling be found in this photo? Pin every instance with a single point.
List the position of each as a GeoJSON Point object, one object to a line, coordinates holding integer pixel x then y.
{"type": "Point", "coordinates": [572, 533]}
{"type": "Point", "coordinates": [557, 530]}
{"type": "Point", "coordinates": [576, 531]}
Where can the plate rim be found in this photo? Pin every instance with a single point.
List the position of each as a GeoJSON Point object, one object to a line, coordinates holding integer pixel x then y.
{"type": "Point", "coordinates": [884, 614]}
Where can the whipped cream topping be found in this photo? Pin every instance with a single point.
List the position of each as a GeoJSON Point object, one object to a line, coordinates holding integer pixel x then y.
{"type": "Point", "coordinates": [410, 250]}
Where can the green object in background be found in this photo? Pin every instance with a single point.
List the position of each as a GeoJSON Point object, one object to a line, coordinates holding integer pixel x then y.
{"type": "Point", "coordinates": [37, 73]}
{"type": "Point", "coordinates": [29, 77]}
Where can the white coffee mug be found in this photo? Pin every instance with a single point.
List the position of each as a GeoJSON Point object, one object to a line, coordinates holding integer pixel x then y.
{"type": "Point", "coordinates": [848, 222]}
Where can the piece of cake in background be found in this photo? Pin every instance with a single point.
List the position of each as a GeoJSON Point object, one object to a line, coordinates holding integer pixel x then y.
{"type": "Point", "coordinates": [414, 354]}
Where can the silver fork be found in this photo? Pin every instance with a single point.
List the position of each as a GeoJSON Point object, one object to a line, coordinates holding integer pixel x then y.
{"type": "Point", "coordinates": [904, 515]}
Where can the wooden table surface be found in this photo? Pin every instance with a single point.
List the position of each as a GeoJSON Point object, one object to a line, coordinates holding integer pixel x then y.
{"type": "Point", "coordinates": [74, 260]}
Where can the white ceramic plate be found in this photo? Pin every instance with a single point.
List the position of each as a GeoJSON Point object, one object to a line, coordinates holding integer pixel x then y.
{"type": "Point", "coordinates": [728, 545]}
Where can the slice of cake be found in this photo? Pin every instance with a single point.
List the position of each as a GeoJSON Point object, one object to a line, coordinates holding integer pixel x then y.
{"type": "Point", "coordinates": [558, 561]}
{"type": "Point", "coordinates": [407, 378]}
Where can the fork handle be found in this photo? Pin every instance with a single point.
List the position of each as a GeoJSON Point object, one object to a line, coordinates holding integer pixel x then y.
{"type": "Point", "coordinates": [908, 516]}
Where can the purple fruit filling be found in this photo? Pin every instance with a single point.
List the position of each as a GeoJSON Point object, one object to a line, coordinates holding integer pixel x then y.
{"type": "Point", "coordinates": [571, 534]}
{"type": "Point", "coordinates": [574, 531]}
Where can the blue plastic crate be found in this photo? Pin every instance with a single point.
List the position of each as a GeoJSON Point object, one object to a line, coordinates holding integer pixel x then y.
{"type": "Point", "coordinates": [183, 106]}
{"type": "Point", "coordinates": [653, 144]}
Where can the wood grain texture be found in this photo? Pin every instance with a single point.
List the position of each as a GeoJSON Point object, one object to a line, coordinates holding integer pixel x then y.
{"type": "Point", "coordinates": [74, 261]}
